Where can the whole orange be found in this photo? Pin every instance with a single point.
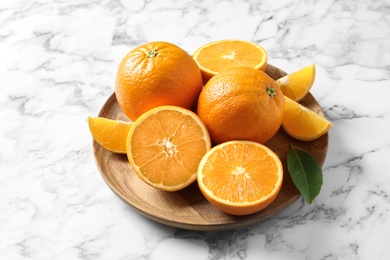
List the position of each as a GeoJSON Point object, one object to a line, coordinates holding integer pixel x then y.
{"type": "Point", "coordinates": [241, 104]}
{"type": "Point", "coordinates": [156, 74]}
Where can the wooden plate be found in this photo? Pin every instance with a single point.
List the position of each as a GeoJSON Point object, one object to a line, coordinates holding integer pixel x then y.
{"type": "Point", "coordinates": [188, 209]}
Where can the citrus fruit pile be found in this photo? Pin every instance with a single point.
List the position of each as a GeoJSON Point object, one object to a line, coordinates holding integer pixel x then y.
{"type": "Point", "coordinates": [208, 118]}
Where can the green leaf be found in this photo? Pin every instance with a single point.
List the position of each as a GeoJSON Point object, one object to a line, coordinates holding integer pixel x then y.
{"type": "Point", "coordinates": [306, 173]}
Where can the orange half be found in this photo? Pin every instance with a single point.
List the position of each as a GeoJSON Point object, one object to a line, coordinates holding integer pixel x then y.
{"type": "Point", "coordinates": [165, 146]}
{"type": "Point", "coordinates": [223, 55]}
{"type": "Point", "coordinates": [240, 177]}
{"type": "Point", "coordinates": [109, 133]}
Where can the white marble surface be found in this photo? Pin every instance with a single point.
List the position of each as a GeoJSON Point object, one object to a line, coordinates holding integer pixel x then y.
{"type": "Point", "coordinates": [57, 66]}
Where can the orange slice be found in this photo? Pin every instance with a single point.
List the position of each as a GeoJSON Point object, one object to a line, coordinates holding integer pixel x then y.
{"type": "Point", "coordinates": [165, 146]}
{"type": "Point", "coordinates": [297, 84]}
{"type": "Point", "coordinates": [240, 177]}
{"type": "Point", "coordinates": [223, 55]}
{"type": "Point", "coordinates": [111, 134]}
{"type": "Point", "coordinates": [302, 123]}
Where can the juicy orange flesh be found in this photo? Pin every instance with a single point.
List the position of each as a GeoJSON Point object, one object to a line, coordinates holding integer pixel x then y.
{"type": "Point", "coordinates": [239, 175]}
{"type": "Point", "coordinates": [294, 89]}
{"type": "Point", "coordinates": [297, 84]}
{"type": "Point", "coordinates": [111, 134]}
{"type": "Point", "coordinates": [167, 149]}
{"type": "Point", "coordinates": [302, 121]}
{"type": "Point", "coordinates": [225, 55]}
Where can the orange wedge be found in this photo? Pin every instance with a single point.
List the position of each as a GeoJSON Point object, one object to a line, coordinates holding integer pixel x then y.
{"type": "Point", "coordinates": [302, 123]}
{"type": "Point", "coordinates": [223, 55]}
{"type": "Point", "coordinates": [111, 134]}
{"type": "Point", "coordinates": [165, 146]}
{"type": "Point", "coordinates": [240, 177]}
{"type": "Point", "coordinates": [297, 84]}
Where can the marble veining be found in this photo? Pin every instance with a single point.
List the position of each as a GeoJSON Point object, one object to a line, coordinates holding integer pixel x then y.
{"type": "Point", "coordinates": [58, 63]}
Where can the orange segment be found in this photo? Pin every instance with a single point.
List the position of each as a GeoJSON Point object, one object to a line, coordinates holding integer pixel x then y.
{"type": "Point", "coordinates": [165, 146]}
{"type": "Point", "coordinates": [111, 134]}
{"type": "Point", "coordinates": [223, 55]}
{"type": "Point", "coordinates": [240, 177]}
{"type": "Point", "coordinates": [296, 85]}
{"type": "Point", "coordinates": [302, 123]}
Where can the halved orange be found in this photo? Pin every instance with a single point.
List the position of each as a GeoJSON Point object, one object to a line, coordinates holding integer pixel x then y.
{"type": "Point", "coordinates": [223, 55]}
{"type": "Point", "coordinates": [240, 177]}
{"type": "Point", "coordinates": [165, 146]}
{"type": "Point", "coordinates": [302, 123]}
{"type": "Point", "coordinates": [297, 84]}
{"type": "Point", "coordinates": [109, 133]}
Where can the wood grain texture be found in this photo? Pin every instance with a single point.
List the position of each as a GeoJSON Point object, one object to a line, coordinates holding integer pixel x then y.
{"type": "Point", "coordinates": [188, 209]}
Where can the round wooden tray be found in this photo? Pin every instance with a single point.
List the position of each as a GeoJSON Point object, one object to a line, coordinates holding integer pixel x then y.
{"type": "Point", "coordinates": [188, 209]}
